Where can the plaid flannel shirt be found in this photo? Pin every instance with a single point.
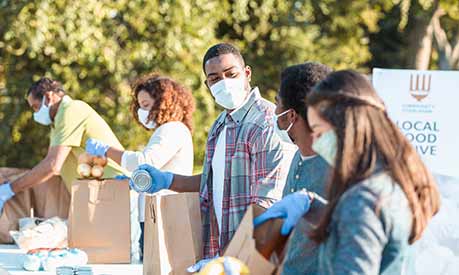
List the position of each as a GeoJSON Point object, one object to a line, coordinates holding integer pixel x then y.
{"type": "Point", "coordinates": [256, 165]}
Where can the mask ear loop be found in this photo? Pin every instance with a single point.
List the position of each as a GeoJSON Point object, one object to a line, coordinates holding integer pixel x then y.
{"type": "Point", "coordinates": [291, 123]}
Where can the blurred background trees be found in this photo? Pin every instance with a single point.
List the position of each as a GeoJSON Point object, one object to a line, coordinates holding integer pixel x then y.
{"type": "Point", "coordinates": [96, 48]}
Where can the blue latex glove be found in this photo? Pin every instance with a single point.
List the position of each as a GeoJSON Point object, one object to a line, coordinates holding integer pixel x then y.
{"type": "Point", "coordinates": [291, 208]}
{"type": "Point", "coordinates": [121, 177]}
{"type": "Point", "coordinates": [160, 180]}
{"type": "Point", "coordinates": [124, 177]}
{"type": "Point", "coordinates": [199, 265]}
{"type": "Point", "coordinates": [6, 193]}
{"type": "Point", "coordinates": [230, 268]}
{"type": "Point", "coordinates": [96, 147]}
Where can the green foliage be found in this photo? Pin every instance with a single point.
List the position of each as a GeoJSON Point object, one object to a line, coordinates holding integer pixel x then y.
{"type": "Point", "coordinates": [275, 34]}
{"type": "Point", "coordinates": [402, 26]}
{"type": "Point", "coordinates": [96, 48]}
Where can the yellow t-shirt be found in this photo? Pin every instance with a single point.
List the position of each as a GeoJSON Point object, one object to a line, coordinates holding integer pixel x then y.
{"type": "Point", "coordinates": [74, 123]}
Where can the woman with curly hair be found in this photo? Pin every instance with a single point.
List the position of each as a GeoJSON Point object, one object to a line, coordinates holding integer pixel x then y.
{"type": "Point", "coordinates": [165, 106]}
{"type": "Point", "coordinates": [380, 195]}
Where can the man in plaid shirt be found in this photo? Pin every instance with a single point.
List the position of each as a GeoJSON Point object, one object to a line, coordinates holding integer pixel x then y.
{"type": "Point", "coordinates": [246, 162]}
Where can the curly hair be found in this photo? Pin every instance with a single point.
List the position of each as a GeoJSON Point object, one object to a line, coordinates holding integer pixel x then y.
{"type": "Point", "coordinates": [296, 83]}
{"type": "Point", "coordinates": [172, 101]}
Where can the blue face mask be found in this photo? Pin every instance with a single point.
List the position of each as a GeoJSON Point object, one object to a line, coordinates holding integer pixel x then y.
{"type": "Point", "coordinates": [326, 146]}
{"type": "Point", "coordinates": [42, 116]}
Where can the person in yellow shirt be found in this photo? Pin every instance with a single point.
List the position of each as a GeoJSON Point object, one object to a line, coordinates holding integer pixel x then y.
{"type": "Point", "coordinates": [71, 122]}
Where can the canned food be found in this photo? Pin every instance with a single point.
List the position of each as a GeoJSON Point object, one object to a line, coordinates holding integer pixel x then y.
{"type": "Point", "coordinates": [141, 180]}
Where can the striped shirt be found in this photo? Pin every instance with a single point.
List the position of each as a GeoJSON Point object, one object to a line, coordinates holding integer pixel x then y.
{"type": "Point", "coordinates": [256, 165]}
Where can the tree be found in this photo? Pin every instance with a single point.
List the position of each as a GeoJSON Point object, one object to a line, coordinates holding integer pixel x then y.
{"type": "Point", "coordinates": [412, 35]}
{"type": "Point", "coordinates": [96, 48]}
{"type": "Point", "coordinates": [447, 38]}
{"type": "Point", "coordinates": [276, 33]}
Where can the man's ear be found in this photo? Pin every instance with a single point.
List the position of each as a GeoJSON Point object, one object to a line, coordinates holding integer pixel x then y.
{"type": "Point", "coordinates": [248, 72]}
{"type": "Point", "coordinates": [48, 97]}
{"type": "Point", "coordinates": [51, 97]}
{"type": "Point", "coordinates": [294, 116]}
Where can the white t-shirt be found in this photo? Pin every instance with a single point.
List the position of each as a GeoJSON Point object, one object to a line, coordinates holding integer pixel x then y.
{"type": "Point", "coordinates": [303, 158]}
{"type": "Point", "coordinates": [170, 149]}
{"type": "Point", "coordinates": [218, 170]}
{"type": "Point", "coordinates": [218, 175]}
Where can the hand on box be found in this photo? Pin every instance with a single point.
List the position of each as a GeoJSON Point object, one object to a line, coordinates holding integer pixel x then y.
{"type": "Point", "coordinates": [96, 147]}
{"type": "Point", "coordinates": [220, 265]}
{"type": "Point", "coordinates": [199, 265]}
{"type": "Point", "coordinates": [291, 208]}
{"type": "Point", "coordinates": [230, 267]}
{"type": "Point", "coordinates": [159, 180]}
{"type": "Point", "coordinates": [6, 193]}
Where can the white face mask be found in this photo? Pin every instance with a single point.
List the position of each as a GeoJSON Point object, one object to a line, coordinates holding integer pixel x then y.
{"type": "Point", "coordinates": [229, 93]}
{"type": "Point", "coordinates": [42, 116]}
{"type": "Point", "coordinates": [143, 118]}
{"type": "Point", "coordinates": [283, 134]}
{"type": "Point", "coordinates": [326, 146]}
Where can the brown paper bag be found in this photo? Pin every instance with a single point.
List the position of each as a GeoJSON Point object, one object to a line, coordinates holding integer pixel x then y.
{"type": "Point", "coordinates": [243, 246]}
{"type": "Point", "coordinates": [45, 200]}
{"type": "Point", "coordinates": [173, 233]}
{"type": "Point", "coordinates": [99, 220]}
{"type": "Point", "coordinates": [268, 239]}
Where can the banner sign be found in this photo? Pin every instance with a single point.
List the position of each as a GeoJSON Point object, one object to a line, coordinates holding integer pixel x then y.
{"type": "Point", "coordinates": [425, 106]}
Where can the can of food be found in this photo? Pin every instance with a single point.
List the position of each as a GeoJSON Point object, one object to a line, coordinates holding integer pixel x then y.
{"type": "Point", "coordinates": [141, 180]}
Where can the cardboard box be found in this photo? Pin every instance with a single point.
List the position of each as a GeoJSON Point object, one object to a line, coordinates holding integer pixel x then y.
{"type": "Point", "coordinates": [99, 220]}
{"type": "Point", "coordinates": [173, 233]}
{"type": "Point", "coordinates": [243, 245]}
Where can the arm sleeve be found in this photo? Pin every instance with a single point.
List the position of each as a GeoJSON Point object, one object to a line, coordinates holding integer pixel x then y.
{"type": "Point", "coordinates": [69, 129]}
{"type": "Point", "coordinates": [360, 236]}
{"type": "Point", "coordinates": [266, 156]}
{"type": "Point", "coordinates": [163, 145]}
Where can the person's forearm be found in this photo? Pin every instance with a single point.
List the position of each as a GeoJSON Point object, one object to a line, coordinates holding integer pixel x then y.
{"type": "Point", "coordinates": [115, 154]}
{"type": "Point", "coordinates": [39, 174]}
{"type": "Point", "coordinates": [186, 183]}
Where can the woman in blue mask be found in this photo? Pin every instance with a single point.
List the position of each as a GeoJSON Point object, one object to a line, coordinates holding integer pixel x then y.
{"type": "Point", "coordinates": [380, 194]}
{"type": "Point", "coordinates": [164, 106]}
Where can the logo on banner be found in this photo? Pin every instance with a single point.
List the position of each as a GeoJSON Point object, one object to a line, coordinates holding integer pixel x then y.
{"type": "Point", "coordinates": [420, 85]}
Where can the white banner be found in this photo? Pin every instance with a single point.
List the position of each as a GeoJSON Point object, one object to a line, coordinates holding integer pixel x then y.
{"type": "Point", "coordinates": [425, 105]}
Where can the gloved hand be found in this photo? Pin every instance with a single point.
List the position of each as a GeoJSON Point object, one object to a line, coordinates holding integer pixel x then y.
{"type": "Point", "coordinates": [230, 268]}
{"type": "Point", "coordinates": [291, 208]}
{"type": "Point", "coordinates": [160, 180]}
{"type": "Point", "coordinates": [6, 193]}
{"type": "Point", "coordinates": [121, 177]}
{"type": "Point", "coordinates": [96, 147]}
{"type": "Point", "coordinates": [199, 265]}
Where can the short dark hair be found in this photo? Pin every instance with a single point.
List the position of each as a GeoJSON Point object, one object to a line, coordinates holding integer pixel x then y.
{"type": "Point", "coordinates": [45, 84]}
{"type": "Point", "coordinates": [296, 83]}
{"type": "Point", "coordinates": [220, 49]}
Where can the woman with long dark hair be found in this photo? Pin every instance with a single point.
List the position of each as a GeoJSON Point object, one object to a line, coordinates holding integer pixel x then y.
{"type": "Point", "coordinates": [380, 194]}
